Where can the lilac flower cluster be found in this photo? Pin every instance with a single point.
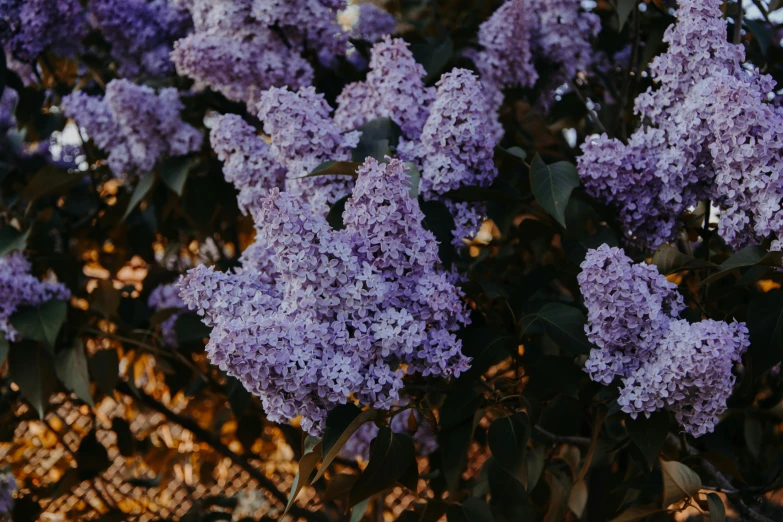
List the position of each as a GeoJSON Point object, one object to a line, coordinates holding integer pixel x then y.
{"type": "Point", "coordinates": [166, 297]}
{"type": "Point", "coordinates": [349, 312]}
{"type": "Point", "coordinates": [308, 24]}
{"type": "Point", "coordinates": [30, 27]}
{"type": "Point", "coordinates": [457, 148]}
{"type": "Point", "coordinates": [373, 23]}
{"type": "Point", "coordinates": [304, 135]}
{"type": "Point", "coordinates": [394, 88]}
{"type": "Point", "coordinates": [141, 33]}
{"type": "Point", "coordinates": [712, 134]}
{"type": "Point", "coordinates": [247, 159]}
{"type": "Point", "coordinates": [134, 125]}
{"type": "Point", "coordinates": [19, 288]}
{"type": "Point", "coordinates": [664, 362]}
{"type": "Point", "coordinates": [8, 102]}
{"type": "Point", "coordinates": [7, 488]}
{"type": "Point", "coordinates": [521, 32]}
{"type": "Point", "coordinates": [358, 446]}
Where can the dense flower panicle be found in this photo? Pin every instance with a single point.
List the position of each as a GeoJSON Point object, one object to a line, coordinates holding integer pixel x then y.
{"type": "Point", "coordinates": [358, 446]}
{"type": "Point", "coordinates": [349, 311]}
{"type": "Point", "coordinates": [563, 36]}
{"type": "Point", "coordinates": [664, 362]}
{"type": "Point", "coordinates": [30, 27]}
{"type": "Point", "coordinates": [227, 17]}
{"type": "Point", "coordinates": [8, 102]}
{"type": "Point", "coordinates": [141, 33]}
{"type": "Point", "coordinates": [247, 159]}
{"type": "Point", "coordinates": [373, 23]}
{"type": "Point", "coordinates": [629, 308]}
{"type": "Point", "coordinates": [238, 68]}
{"type": "Point", "coordinates": [136, 126]}
{"type": "Point", "coordinates": [303, 136]}
{"type": "Point", "coordinates": [394, 88]}
{"type": "Point", "coordinates": [691, 376]}
{"type": "Point", "coordinates": [166, 297]}
{"type": "Point", "coordinates": [308, 24]}
{"type": "Point", "coordinates": [19, 288]}
{"type": "Point", "coordinates": [7, 488]}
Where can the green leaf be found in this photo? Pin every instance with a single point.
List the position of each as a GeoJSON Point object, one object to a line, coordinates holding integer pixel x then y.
{"type": "Point", "coordinates": [341, 423]}
{"type": "Point", "coordinates": [335, 215]}
{"type": "Point", "coordinates": [747, 257]}
{"type": "Point", "coordinates": [339, 487]}
{"type": "Point", "coordinates": [4, 347]}
{"type": "Point", "coordinates": [648, 435]}
{"type": "Point", "coordinates": [507, 438]}
{"type": "Point", "coordinates": [378, 136]}
{"type": "Point", "coordinates": [174, 172]}
{"type": "Point", "coordinates": [634, 513]}
{"type": "Point", "coordinates": [49, 181]}
{"type": "Point", "coordinates": [577, 500]}
{"type": "Point", "coordinates": [669, 259]}
{"type": "Point", "coordinates": [716, 508]}
{"type": "Point", "coordinates": [32, 369]}
{"type": "Point", "coordinates": [41, 323]}
{"type": "Point", "coordinates": [414, 177]}
{"type": "Point", "coordinates": [306, 467]}
{"type": "Point", "coordinates": [474, 193]}
{"type": "Point", "coordinates": [517, 152]}
{"type": "Point", "coordinates": [433, 55]}
{"type": "Point", "coordinates": [70, 364]}
{"type": "Point", "coordinates": [566, 326]}
{"type": "Point", "coordinates": [754, 435]}
{"type": "Point", "coordinates": [624, 9]}
{"type": "Point", "coordinates": [105, 369]}
{"type": "Point", "coordinates": [190, 328]}
{"type": "Point", "coordinates": [92, 458]}
{"type": "Point", "coordinates": [453, 443]}
{"type": "Point", "coordinates": [552, 186]}
{"type": "Point", "coordinates": [471, 510]}
{"type": "Point", "coordinates": [459, 406]}
{"type": "Point", "coordinates": [335, 168]}
{"type": "Point", "coordinates": [11, 239]}
{"type": "Point", "coordinates": [357, 512]}
{"type": "Point", "coordinates": [391, 456]}
{"type": "Point", "coordinates": [143, 187]}
{"type": "Point", "coordinates": [439, 221]}
{"type": "Point", "coordinates": [760, 31]}
{"type": "Point", "coordinates": [679, 482]}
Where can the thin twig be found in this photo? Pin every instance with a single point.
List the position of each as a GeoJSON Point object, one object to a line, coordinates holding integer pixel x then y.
{"type": "Point", "coordinates": [738, 24]}
{"type": "Point", "coordinates": [590, 111]}
{"type": "Point", "coordinates": [629, 74]}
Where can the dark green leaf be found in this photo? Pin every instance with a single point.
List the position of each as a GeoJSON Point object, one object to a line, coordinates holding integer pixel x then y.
{"type": "Point", "coordinates": [679, 482]}
{"type": "Point", "coordinates": [49, 181]}
{"type": "Point", "coordinates": [716, 508]}
{"type": "Point", "coordinates": [378, 136]}
{"type": "Point", "coordinates": [126, 442]}
{"type": "Point", "coordinates": [634, 513]}
{"type": "Point", "coordinates": [566, 326]}
{"type": "Point", "coordinates": [439, 221]}
{"type": "Point", "coordinates": [414, 177]}
{"type": "Point", "coordinates": [91, 457]}
{"type": "Point", "coordinates": [552, 186]}
{"type": "Point", "coordinates": [11, 239]}
{"type": "Point", "coordinates": [341, 423]}
{"type": "Point", "coordinates": [105, 299]}
{"type": "Point", "coordinates": [391, 455]}
{"type": "Point", "coordinates": [761, 32]}
{"type": "Point", "coordinates": [624, 9]}
{"type": "Point", "coordinates": [4, 347]}
{"type": "Point", "coordinates": [32, 369]}
{"type": "Point", "coordinates": [143, 187]}
{"type": "Point", "coordinates": [471, 510]}
{"type": "Point", "coordinates": [747, 257]}
{"type": "Point", "coordinates": [335, 215]}
{"type": "Point", "coordinates": [754, 434]}
{"type": "Point", "coordinates": [433, 55]}
{"type": "Point", "coordinates": [105, 369]}
{"type": "Point", "coordinates": [302, 478]}
{"type": "Point", "coordinates": [765, 323]}
{"type": "Point", "coordinates": [648, 435]}
{"type": "Point", "coordinates": [473, 193]}
{"type": "Point", "coordinates": [669, 259]}
{"type": "Point", "coordinates": [190, 328]}
{"type": "Point", "coordinates": [339, 487]}
{"type": "Point", "coordinates": [453, 443]}
{"type": "Point", "coordinates": [174, 172]}
{"type": "Point", "coordinates": [41, 323]}
{"type": "Point", "coordinates": [335, 168]}
{"type": "Point", "coordinates": [507, 438]}
{"type": "Point", "coordinates": [357, 513]}
{"type": "Point", "coordinates": [517, 152]}
{"type": "Point", "coordinates": [460, 404]}
{"type": "Point", "coordinates": [71, 367]}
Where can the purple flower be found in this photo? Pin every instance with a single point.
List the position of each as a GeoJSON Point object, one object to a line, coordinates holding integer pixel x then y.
{"type": "Point", "coordinates": [8, 102]}
{"type": "Point", "coordinates": [7, 488]}
{"type": "Point", "coordinates": [30, 27]}
{"type": "Point", "coordinates": [166, 297]}
{"type": "Point", "coordinates": [373, 23]}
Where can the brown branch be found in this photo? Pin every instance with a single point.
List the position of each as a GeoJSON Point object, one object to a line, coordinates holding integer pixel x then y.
{"type": "Point", "coordinates": [204, 435]}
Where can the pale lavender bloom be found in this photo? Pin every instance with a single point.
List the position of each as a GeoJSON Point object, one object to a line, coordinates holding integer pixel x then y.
{"type": "Point", "coordinates": [166, 297]}
{"type": "Point", "coordinates": [373, 23]}
{"type": "Point", "coordinates": [664, 362]}
{"type": "Point", "coordinates": [134, 125]}
{"type": "Point", "coordinates": [343, 310]}
{"type": "Point", "coordinates": [308, 24]}
{"type": "Point", "coordinates": [394, 88]}
{"type": "Point", "coordinates": [30, 27]}
{"type": "Point", "coordinates": [247, 160]}
{"type": "Point", "coordinates": [140, 33]}
{"type": "Point", "coordinates": [7, 488]}
{"type": "Point", "coordinates": [20, 288]}
{"type": "Point", "coordinates": [303, 135]}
